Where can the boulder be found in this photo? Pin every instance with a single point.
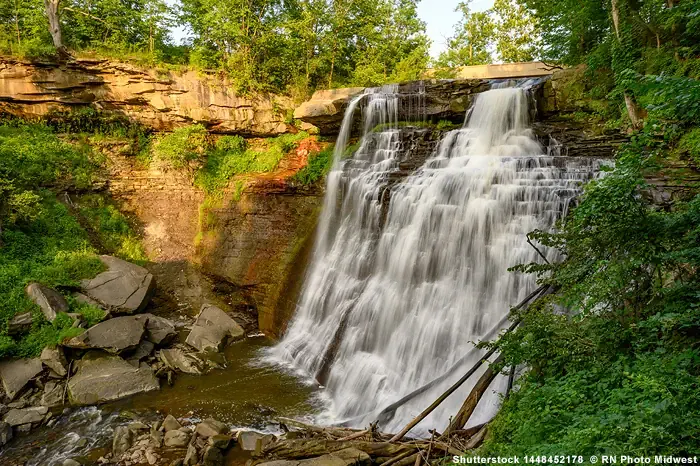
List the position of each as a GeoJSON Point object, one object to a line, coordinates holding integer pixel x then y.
{"type": "Point", "coordinates": [220, 441]}
{"type": "Point", "coordinates": [345, 457]}
{"type": "Point", "coordinates": [113, 335]}
{"type": "Point", "coordinates": [5, 433]}
{"type": "Point", "coordinates": [249, 440]}
{"type": "Point", "coordinates": [122, 440]}
{"type": "Point", "coordinates": [210, 427]}
{"type": "Point", "coordinates": [17, 373]}
{"type": "Point", "coordinates": [192, 457]}
{"type": "Point", "coordinates": [18, 417]}
{"type": "Point", "coordinates": [159, 331]}
{"type": "Point", "coordinates": [50, 301]}
{"type": "Point", "coordinates": [213, 329]}
{"type": "Point", "coordinates": [53, 394]}
{"type": "Point", "coordinates": [177, 438]}
{"type": "Point", "coordinates": [143, 350]}
{"type": "Point", "coordinates": [212, 457]}
{"type": "Point", "coordinates": [106, 378]}
{"type": "Point", "coordinates": [170, 423]}
{"type": "Point", "coordinates": [55, 359]}
{"type": "Point", "coordinates": [20, 323]}
{"type": "Point", "coordinates": [125, 288]}
{"type": "Point", "coordinates": [178, 360]}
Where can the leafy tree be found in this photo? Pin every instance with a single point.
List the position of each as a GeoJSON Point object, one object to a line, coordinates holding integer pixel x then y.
{"type": "Point", "coordinates": [472, 42]}
{"type": "Point", "coordinates": [516, 30]}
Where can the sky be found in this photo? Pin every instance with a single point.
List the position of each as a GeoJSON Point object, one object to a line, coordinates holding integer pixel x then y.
{"type": "Point", "coordinates": [440, 18]}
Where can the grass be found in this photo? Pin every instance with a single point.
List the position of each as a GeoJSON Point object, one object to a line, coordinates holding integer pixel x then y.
{"type": "Point", "coordinates": [182, 146]}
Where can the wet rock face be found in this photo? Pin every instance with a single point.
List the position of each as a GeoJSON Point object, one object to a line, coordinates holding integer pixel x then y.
{"type": "Point", "coordinates": [161, 102]}
{"type": "Point", "coordinates": [438, 99]}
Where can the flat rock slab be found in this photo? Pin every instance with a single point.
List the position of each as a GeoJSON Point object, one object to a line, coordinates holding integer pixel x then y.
{"type": "Point", "coordinates": [107, 378]}
{"type": "Point", "coordinates": [113, 335]}
{"type": "Point", "coordinates": [55, 359]}
{"type": "Point", "coordinates": [49, 300]}
{"type": "Point", "coordinates": [346, 457]}
{"type": "Point", "coordinates": [213, 329]}
{"type": "Point", "coordinates": [18, 417]}
{"type": "Point", "coordinates": [125, 288]}
{"type": "Point", "coordinates": [17, 373]}
{"type": "Point", "coordinates": [20, 323]}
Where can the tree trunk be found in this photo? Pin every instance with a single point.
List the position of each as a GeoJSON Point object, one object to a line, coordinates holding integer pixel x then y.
{"type": "Point", "coordinates": [633, 110]}
{"type": "Point", "coordinates": [55, 26]}
{"type": "Point", "coordinates": [469, 405]}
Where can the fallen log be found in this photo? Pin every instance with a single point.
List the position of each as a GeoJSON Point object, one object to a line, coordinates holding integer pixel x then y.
{"type": "Point", "coordinates": [469, 405]}
{"type": "Point", "coordinates": [541, 290]}
{"type": "Point", "coordinates": [386, 414]}
{"type": "Point", "coordinates": [299, 449]}
{"type": "Point", "coordinates": [477, 439]}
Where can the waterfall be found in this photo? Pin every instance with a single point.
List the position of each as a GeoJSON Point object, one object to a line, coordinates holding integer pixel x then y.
{"type": "Point", "coordinates": [410, 268]}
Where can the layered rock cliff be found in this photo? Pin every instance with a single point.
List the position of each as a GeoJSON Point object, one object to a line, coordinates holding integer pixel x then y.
{"type": "Point", "coordinates": [160, 100]}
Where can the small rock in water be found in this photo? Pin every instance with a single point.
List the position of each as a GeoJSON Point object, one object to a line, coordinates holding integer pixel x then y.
{"type": "Point", "coordinates": [170, 423]}
{"type": "Point", "coordinates": [253, 441]}
{"type": "Point", "coordinates": [70, 462]}
{"type": "Point", "coordinates": [123, 437]}
{"type": "Point", "coordinates": [177, 438]}
{"type": "Point", "coordinates": [210, 427]}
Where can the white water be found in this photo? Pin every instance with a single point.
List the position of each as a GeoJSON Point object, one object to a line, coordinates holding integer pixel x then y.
{"type": "Point", "coordinates": [396, 296]}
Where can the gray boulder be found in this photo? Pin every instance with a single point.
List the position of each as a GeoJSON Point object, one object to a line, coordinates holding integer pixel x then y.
{"type": "Point", "coordinates": [143, 350]}
{"type": "Point", "coordinates": [125, 288]}
{"type": "Point", "coordinates": [50, 301]}
{"type": "Point", "coordinates": [20, 323]}
{"type": "Point", "coordinates": [122, 440]}
{"type": "Point", "coordinates": [55, 359]}
{"type": "Point", "coordinates": [159, 331]}
{"type": "Point", "coordinates": [17, 373]}
{"type": "Point", "coordinates": [213, 329]}
{"type": "Point", "coordinates": [113, 335]}
{"type": "Point", "coordinates": [210, 427]}
{"type": "Point", "coordinates": [5, 433]}
{"type": "Point", "coordinates": [253, 441]}
{"type": "Point", "coordinates": [177, 438]}
{"type": "Point", "coordinates": [18, 417]}
{"type": "Point", "coordinates": [106, 378]}
{"type": "Point", "coordinates": [170, 423]}
{"type": "Point", "coordinates": [53, 394]}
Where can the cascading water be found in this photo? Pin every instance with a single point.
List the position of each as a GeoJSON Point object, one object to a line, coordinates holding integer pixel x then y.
{"type": "Point", "coordinates": [408, 274]}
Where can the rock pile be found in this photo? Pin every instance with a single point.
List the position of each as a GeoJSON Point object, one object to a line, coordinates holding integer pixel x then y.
{"type": "Point", "coordinates": [118, 357]}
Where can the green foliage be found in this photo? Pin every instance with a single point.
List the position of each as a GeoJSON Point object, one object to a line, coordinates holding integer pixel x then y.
{"type": "Point", "coordinates": [231, 156]}
{"type": "Point", "coordinates": [112, 228]}
{"type": "Point", "coordinates": [508, 27]}
{"type": "Point", "coordinates": [617, 370]}
{"type": "Point", "coordinates": [319, 165]}
{"type": "Point", "coordinates": [689, 144]}
{"type": "Point", "coordinates": [52, 249]}
{"type": "Point", "coordinates": [182, 146]}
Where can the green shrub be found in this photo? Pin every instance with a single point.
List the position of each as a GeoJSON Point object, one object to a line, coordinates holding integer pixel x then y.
{"type": "Point", "coordinates": [182, 146]}
{"type": "Point", "coordinates": [231, 156]}
{"type": "Point", "coordinates": [112, 228]}
{"type": "Point", "coordinates": [319, 165]}
{"type": "Point", "coordinates": [690, 144]}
